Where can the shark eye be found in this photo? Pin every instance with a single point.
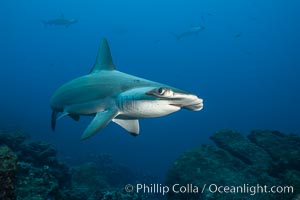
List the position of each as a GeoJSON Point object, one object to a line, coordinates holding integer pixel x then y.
{"type": "Point", "coordinates": [161, 91]}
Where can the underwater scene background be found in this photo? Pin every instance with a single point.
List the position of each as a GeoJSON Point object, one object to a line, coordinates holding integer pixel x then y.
{"type": "Point", "coordinates": [241, 57]}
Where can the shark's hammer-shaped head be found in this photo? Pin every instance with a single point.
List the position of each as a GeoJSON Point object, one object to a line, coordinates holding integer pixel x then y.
{"type": "Point", "coordinates": [156, 101]}
{"type": "Point", "coordinates": [177, 98]}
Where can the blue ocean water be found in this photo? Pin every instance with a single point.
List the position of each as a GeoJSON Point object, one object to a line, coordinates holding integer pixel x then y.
{"type": "Point", "coordinates": [245, 64]}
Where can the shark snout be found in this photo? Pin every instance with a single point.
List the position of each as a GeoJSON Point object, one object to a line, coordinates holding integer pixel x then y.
{"type": "Point", "coordinates": [177, 98]}
{"type": "Point", "coordinates": [193, 103]}
{"type": "Point", "coordinates": [190, 102]}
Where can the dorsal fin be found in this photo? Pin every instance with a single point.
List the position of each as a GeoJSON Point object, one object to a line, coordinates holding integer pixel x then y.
{"type": "Point", "coordinates": [104, 59]}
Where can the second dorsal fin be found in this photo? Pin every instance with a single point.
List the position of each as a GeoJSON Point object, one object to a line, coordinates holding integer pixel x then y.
{"type": "Point", "coordinates": [104, 59]}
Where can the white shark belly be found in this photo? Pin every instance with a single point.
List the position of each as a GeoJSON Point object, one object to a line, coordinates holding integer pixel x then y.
{"type": "Point", "coordinates": [147, 109]}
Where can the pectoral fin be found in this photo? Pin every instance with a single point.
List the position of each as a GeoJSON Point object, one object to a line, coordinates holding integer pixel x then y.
{"type": "Point", "coordinates": [100, 121]}
{"type": "Point", "coordinates": [130, 125]}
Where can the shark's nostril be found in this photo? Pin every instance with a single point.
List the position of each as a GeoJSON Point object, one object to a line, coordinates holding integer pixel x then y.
{"type": "Point", "coordinates": [198, 101]}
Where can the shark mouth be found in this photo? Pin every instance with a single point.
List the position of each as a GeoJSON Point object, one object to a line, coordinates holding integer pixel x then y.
{"type": "Point", "coordinates": [176, 105]}
{"type": "Point", "coordinates": [180, 105]}
{"type": "Point", "coordinates": [194, 107]}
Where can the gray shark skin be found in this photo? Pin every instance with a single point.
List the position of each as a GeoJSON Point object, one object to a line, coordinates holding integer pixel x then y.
{"type": "Point", "coordinates": [111, 95]}
{"type": "Point", "coordinates": [193, 31]}
{"type": "Point", "coordinates": [61, 21]}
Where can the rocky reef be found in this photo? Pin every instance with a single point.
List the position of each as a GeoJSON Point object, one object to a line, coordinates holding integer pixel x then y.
{"type": "Point", "coordinates": [30, 170]}
{"type": "Point", "coordinates": [265, 158]}
{"type": "Point", "coordinates": [8, 168]}
{"type": "Point", "coordinates": [32, 167]}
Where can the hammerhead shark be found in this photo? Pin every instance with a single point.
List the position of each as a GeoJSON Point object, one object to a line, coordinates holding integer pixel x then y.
{"type": "Point", "coordinates": [111, 95]}
{"type": "Point", "coordinates": [193, 30]}
{"type": "Point", "coordinates": [61, 21]}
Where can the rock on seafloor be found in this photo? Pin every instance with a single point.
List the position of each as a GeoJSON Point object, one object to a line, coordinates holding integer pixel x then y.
{"type": "Point", "coordinates": [38, 174]}
{"type": "Point", "coordinates": [30, 170]}
{"type": "Point", "coordinates": [8, 168]}
{"type": "Point", "coordinates": [265, 158]}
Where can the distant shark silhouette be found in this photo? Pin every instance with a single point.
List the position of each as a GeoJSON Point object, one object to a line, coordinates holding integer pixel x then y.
{"type": "Point", "coordinates": [193, 30]}
{"type": "Point", "coordinates": [238, 35]}
{"type": "Point", "coordinates": [61, 21]}
{"type": "Point", "coordinates": [111, 95]}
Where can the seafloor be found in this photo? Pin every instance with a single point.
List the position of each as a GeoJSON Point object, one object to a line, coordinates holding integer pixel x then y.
{"type": "Point", "coordinates": [31, 169]}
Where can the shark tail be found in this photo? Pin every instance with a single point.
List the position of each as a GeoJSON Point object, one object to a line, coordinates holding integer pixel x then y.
{"type": "Point", "coordinates": [55, 117]}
